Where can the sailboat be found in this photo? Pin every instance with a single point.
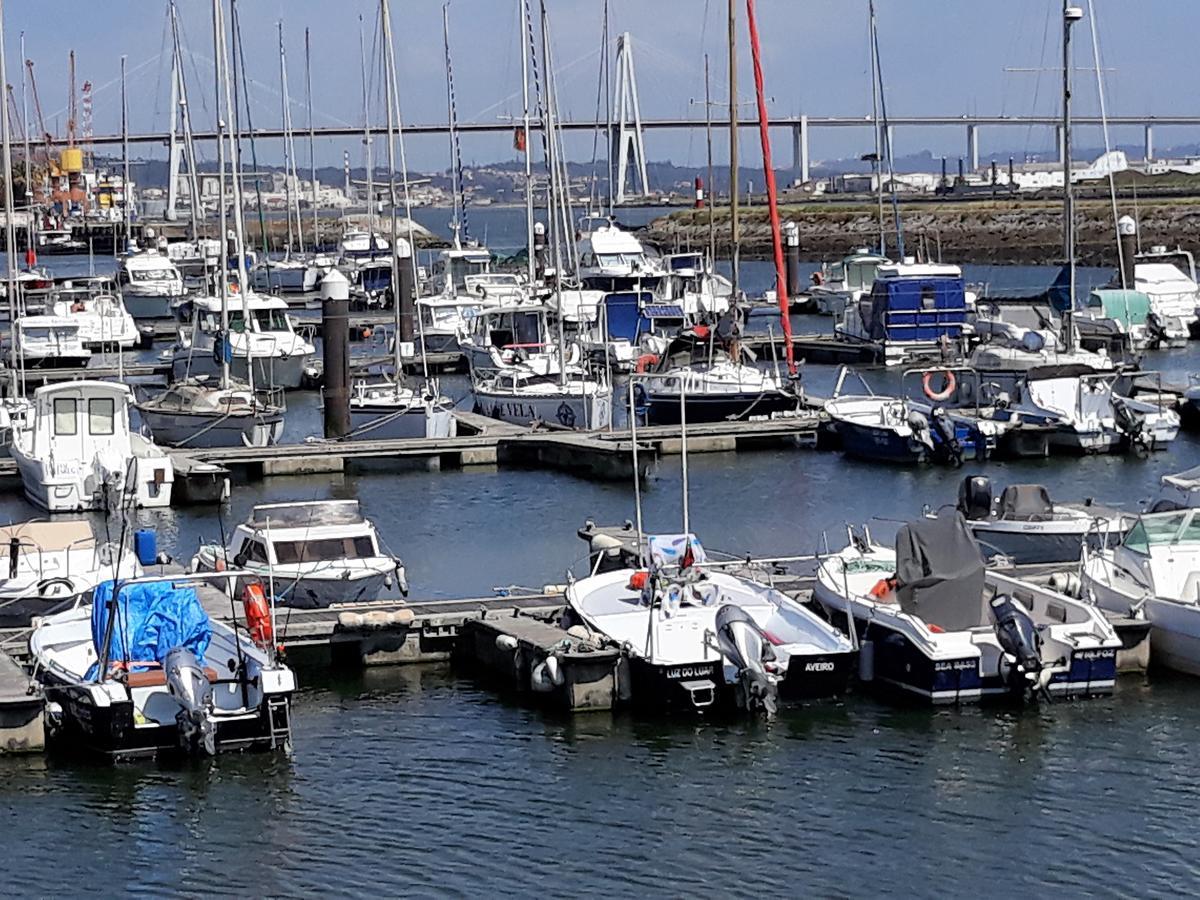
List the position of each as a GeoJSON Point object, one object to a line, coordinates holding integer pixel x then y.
{"type": "Point", "coordinates": [394, 409]}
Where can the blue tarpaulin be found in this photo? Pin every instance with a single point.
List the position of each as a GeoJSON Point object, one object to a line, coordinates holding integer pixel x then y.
{"type": "Point", "coordinates": [151, 620]}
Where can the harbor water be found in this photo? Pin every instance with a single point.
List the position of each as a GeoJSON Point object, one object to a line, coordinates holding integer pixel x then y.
{"type": "Point", "coordinates": [421, 781]}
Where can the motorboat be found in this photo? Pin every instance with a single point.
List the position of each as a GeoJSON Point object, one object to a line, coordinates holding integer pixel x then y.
{"type": "Point", "coordinates": [1123, 314]}
{"type": "Point", "coordinates": [150, 284]}
{"type": "Point", "coordinates": [357, 245]}
{"type": "Point", "coordinates": [198, 412]}
{"type": "Point", "coordinates": [694, 286]}
{"type": "Point", "coordinates": [524, 394]}
{"type": "Point", "coordinates": [913, 310]}
{"type": "Point", "coordinates": [50, 565]}
{"type": "Point", "coordinates": [1025, 526]}
{"type": "Point", "coordinates": [75, 451]}
{"type": "Point", "coordinates": [103, 321]}
{"type": "Point", "coordinates": [1017, 338]}
{"type": "Point", "coordinates": [294, 274]}
{"type": "Point", "coordinates": [880, 428]}
{"type": "Point", "coordinates": [712, 383]}
{"type": "Point", "coordinates": [442, 322]}
{"type": "Point", "coordinates": [1154, 573]}
{"type": "Point", "coordinates": [144, 671]}
{"type": "Point", "coordinates": [935, 624]}
{"type": "Point", "coordinates": [844, 283]}
{"type": "Point", "coordinates": [50, 342]}
{"type": "Point", "coordinates": [1174, 293]}
{"type": "Point", "coordinates": [311, 553]}
{"type": "Point", "coordinates": [612, 259]}
{"type": "Point", "coordinates": [260, 336]}
{"type": "Point", "coordinates": [701, 638]}
{"type": "Point", "coordinates": [394, 410]}
{"type": "Point", "coordinates": [1180, 490]}
{"type": "Point", "coordinates": [196, 260]}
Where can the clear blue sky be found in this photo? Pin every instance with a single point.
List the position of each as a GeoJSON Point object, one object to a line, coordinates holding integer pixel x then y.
{"type": "Point", "coordinates": [939, 57]}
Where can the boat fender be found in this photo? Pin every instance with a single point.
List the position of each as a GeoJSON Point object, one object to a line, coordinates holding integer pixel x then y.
{"type": "Point", "coordinates": [949, 385]}
{"type": "Point", "coordinates": [401, 579]}
{"type": "Point", "coordinates": [866, 662]}
{"type": "Point", "coordinates": [554, 670]}
{"type": "Point", "coordinates": [258, 614]}
{"type": "Point", "coordinates": [645, 361]}
{"type": "Point", "coordinates": [540, 679]}
{"type": "Point", "coordinates": [818, 278]}
{"type": "Point", "coordinates": [506, 642]}
{"type": "Point", "coordinates": [884, 590]}
{"type": "Point", "coordinates": [350, 620]}
{"type": "Point", "coordinates": [400, 617]}
{"type": "Point", "coordinates": [376, 619]}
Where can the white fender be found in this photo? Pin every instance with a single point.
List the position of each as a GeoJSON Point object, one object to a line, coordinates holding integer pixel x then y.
{"type": "Point", "coordinates": [506, 642]}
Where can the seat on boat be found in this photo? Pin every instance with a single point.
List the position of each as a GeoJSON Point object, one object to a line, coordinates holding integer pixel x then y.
{"type": "Point", "coordinates": [158, 677]}
{"type": "Point", "coordinates": [940, 573]}
{"type": "Point", "coordinates": [1026, 503]}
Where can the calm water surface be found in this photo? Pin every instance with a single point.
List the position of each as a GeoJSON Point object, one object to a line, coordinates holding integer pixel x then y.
{"type": "Point", "coordinates": [418, 781]}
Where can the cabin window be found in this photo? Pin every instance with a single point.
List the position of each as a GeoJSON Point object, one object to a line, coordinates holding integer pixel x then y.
{"type": "Point", "coordinates": [237, 323]}
{"type": "Point", "coordinates": [101, 416]}
{"type": "Point", "coordinates": [324, 549]}
{"type": "Point", "coordinates": [271, 320]}
{"type": "Point", "coordinates": [65, 423]}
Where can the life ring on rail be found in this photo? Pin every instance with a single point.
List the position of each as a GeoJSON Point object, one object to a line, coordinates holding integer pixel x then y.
{"type": "Point", "coordinates": [258, 614]}
{"type": "Point", "coordinates": [645, 361]}
{"type": "Point", "coordinates": [946, 392]}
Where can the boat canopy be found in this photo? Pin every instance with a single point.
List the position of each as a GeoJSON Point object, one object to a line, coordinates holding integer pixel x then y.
{"type": "Point", "coordinates": [924, 304]}
{"type": "Point", "coordinates": [1127, 307]}
{"type": "Point", "coordinates": [152, 619]}
{"type": "Point", "coordinates": [940, 573]}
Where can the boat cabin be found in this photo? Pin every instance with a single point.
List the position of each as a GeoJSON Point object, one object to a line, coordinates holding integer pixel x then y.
{"type": "Point", "coordinates": [291, 534]}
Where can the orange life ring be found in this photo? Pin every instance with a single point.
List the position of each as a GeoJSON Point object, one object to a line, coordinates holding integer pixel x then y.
{"type": "Point", "coordinates": [645, 361]}
{"type": "Point", "coordinates": [258, 614]}
{"type": "Point", "coordinates": [883, 590]}
{"type": "Point", "coordinates": [946, 392]}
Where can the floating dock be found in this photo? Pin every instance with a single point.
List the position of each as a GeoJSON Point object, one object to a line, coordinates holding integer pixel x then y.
{"type": "Point", "coordinates": [22, 708]}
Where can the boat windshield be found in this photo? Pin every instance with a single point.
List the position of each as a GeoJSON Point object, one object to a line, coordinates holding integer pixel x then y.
{"type": "Point", "coordinates": [324, 549]}
{"type": "Point", "coordinates": [271, 320]}
{"type": "Point", "coordinates": [151, 275]}
{"type": "Point", "coordinates": [1159, 530]}
{"type": "Point", "coordinates": [612, 260]}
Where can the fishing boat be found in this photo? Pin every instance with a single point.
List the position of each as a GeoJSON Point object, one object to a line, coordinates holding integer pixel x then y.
{"type": "Point", "coordinates": [935, 624]}
{"type": "Point", "coordinates": [311, 553]}
{"type": "Point", "coordinates": [1025, 526]}
{"type": "Point", "coordinates": [843, 284]}
{"type": "Point", "coordinates": [714, 385]}
{"type": "Point", "coordinates": [260, 335]}
{"type": "Point", "coordinates": [150, 284]}
{"type": "Point", "coordinates": [50, 342]}
{"type": "Point", "coordinates": [144, 671]}
{"type": "Point", "coordinates": [198, 413]}
{"type": "Point", "coordinates": [699, 638]}
{"type": "Point", "coordinates": [1153, 572]}
{"type": "Point", "coordinates": [75, 451]}
{"type": "Point", "coordinates": [49, 565]}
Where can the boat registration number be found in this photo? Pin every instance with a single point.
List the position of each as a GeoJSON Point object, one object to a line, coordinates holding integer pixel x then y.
{"type": "Point", "coordinates": [679, 673]}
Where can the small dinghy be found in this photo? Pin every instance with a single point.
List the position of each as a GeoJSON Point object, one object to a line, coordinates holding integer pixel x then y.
{"type": "Point", "coordinates": [935, 624]}
{"type": "Point", "coordinates": [1024, 525]}
{"type": "Point", "coordinates": [699, 638]}
{"type": "Point", "coordinates": [314, 554]}
{"type": "Point", "coordinates": [144, 671]}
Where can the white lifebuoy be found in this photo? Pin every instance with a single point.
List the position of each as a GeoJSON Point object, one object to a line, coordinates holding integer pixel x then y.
{"type": "Point", "coordinates": [947, 392]}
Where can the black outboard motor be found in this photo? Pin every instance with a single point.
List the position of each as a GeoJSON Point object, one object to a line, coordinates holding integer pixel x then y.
{"type": "Point", "coordinates": [975, 497]}
{"type": "Point", "coordinates": [745, 646]}
{"type": "Point", "coordinates": [941, 428]}
{"type": "Point", "coordinates": [1019, 638]}
{"type": "Point", "coordinates": [1129, 425]}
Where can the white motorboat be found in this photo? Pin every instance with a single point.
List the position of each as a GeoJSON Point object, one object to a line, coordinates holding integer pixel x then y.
{"type": "Point", "coordinates": [312, 553]}
{"type": "Point", "coordinates": [102, 318]}
{"type": "Point", "coordinates": [357, 245]}
{"type": "Point", "coordinates": [1179, 491]}
{"type": "Point", "coordinates": [150, 284]}
{"type": "Point", "coordinates": [1025, 526]}
{"type": "Point", "coordinates": [197, 259]}
{"type": "Point", "coordinates": [1154, 573]}
{"type": "Point", "coordinates": [76, 451]}
{"type": "Point", "coordinates": [1174, 293]}
{"type": "Point", "coordinates": [699, 637]}
{"type": "Point", "coordinates": [260, 336]}
{"type": "Point", "coordinates": [612, 259]}
{"type": "Point", "coordinates": [50, 565]}
{"type": "Point", "coordinates": [1015, 339]}
{"type": "Point", "coordinates": [844, 283]}
{"type": "Point", "coordinates": [144, 671]}
{"type": "Point", "coordinates": [392, 410]}
{"type": "Point", "coordinates": [523, 394]}
{"type": "Point", "coordinates": [694, 286]}
{"type": "Point", "coordinates": [935, 624]}
{"type": "Point", "coordinates": [50, 342]}
{"type": "Point", "coordinates": [442, 322]}
{"type": "Point", "coordinates": [199, 413]}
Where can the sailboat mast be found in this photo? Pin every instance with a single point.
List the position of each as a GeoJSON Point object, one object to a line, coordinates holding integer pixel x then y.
{"type": "Point", "coordinates": [125, 190]}
{"type": "Point", "coordinates": [708, 135]}
{"type": "Point", "coordinates": [526, 49]}
{"type": "Point", "coordinates": [734, 233]}
{"type": "Point", "coordinates": [772, 199]}
{"type": "Point", "coordinates": [288, 162]}
{"type": "Point", "coordinates": [362, 55]}
{"type": "Point", "coordinates": [460, 212]}
{"type": "Point", "coordinates": [222, 127]}
{"type": "Point", "coordinates": [186, 121]}
{"type": "Point", "coordinates": [25, 137]}
{"type": "Point", "coordinates": [10, 230]}
{"type": "Point", "coordinates": [312, 156]}
{"type": "Point", "coordinates": [878, 136]}
{"type": "Point", "coordinates": [386, 23]}
{"type": "Point", "coordinates": [555, 187]}
{"type": "Point", "coordinates": [1071, 15]}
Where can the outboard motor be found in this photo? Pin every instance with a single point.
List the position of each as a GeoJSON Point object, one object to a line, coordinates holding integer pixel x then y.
{"type": "Point", "coordinates": [941, 428]}
{"type": "Point", "coordinates": [745, 646]}
{"type": "Point", "coordinates": [1156, 332]}
{"type": "Point", "coordinates": [975, 497]}
{"type": "Point", "coordinates": [1130, 425]}
{"type": "Point", "coordinates": [1019, 638]}
{"type": "Point", "coordinates": [189, 685]}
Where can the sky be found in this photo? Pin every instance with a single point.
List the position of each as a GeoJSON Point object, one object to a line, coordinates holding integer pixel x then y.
{"type": "Point", "coordinates": [939, 57]}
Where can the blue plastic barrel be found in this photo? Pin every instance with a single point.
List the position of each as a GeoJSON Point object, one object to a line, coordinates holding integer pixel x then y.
{"type": "Point", "coordinates": [145, 545]}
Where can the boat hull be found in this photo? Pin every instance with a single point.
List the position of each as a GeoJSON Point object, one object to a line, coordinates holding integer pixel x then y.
{"type": "Point", "coordinates": [287, 373]}
{"type": "Point", "coordinates": [663, 409]}
{"type": "Point", "coordinates": [309, 592]}
{"type": "Point", "coordinates": [379, 423]}
{"type": "Point", "coordinates": [148, 306]}
{"type": "Point", "coordinates": [179, 429]}
{"type": "Point", "coordinates": [879, 444]}
{"type": "Point", "coordinates": [1031, 542]}
{"type": "Point", "coordinates": [567, 411]}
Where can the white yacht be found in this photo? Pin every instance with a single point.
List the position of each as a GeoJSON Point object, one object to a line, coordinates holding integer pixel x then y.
{"type": "Point", "coordinates": [150, 284]}
{"type": "Point", "coordinates": [75, 451]}
{"type": "Point", "coordinates": [144, 671]}
{"type": "Point", "coordinates": [693, 286]}
{"type": "Point", "coordinates": [1180, 490]}
{"type": "Point", "coordinates": [358, 245]}
{"type": "Point", "coordinates": [260, 333]}
{"type": "Point", "coordinates": [49, 565]}
{"type": "Point", "coordinates": [50, 342]}
{"type": "Point", "coordinates": [612, 259]}
{"type": "Point", "coordinates": [1154, 573]}
{"type": "Point", "coordinates": [444, 321]}
{"type": "Point", "coordinates": [197, 259]}
{"type": "Point", "coordinates": [1174, 293]}
{"type": "Point", "coordinates": [311, 553]}
{"type": "Point", "coordinates": [103, 320]}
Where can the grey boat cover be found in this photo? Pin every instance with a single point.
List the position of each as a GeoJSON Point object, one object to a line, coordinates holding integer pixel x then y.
{"type": "Point", "coordinates": [1026, 503]}
{"type": "Point", "coordinates": [939, 570]}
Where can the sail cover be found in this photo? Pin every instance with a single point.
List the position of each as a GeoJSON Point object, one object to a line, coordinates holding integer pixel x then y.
{"type": "Point", "coordinates": [151, 620]}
